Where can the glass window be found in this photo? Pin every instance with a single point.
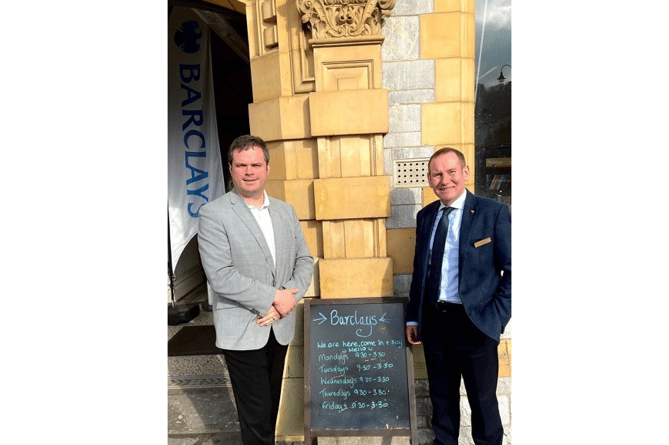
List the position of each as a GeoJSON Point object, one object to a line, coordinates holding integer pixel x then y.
{"type": "Point", "coordinates": [493, 100]}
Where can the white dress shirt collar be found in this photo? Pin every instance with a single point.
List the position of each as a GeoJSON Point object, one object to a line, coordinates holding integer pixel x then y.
{"type": "Point", "coordinates": [264, 205]}
{"type": "Point", "coordinates": [459, 203]}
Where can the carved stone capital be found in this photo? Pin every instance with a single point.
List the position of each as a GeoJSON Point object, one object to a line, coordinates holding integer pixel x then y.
{"type": "Point", "coordinates": [330, 19]}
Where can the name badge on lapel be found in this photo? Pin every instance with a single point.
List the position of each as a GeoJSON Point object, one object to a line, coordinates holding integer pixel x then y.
{"type": "Point", "coordinates": [482, 242]}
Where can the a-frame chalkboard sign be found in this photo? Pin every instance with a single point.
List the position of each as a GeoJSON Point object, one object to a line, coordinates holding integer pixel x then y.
{"type": "Point", "coordinates": [358, 369]}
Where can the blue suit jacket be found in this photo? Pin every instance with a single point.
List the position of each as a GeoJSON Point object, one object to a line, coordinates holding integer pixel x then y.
{"type": "Point", "coordinates": [484, 264]}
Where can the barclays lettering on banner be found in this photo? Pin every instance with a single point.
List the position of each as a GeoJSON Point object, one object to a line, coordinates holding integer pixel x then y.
{"type": "Point", "coordinates": [186, 39]}
{"type": "Point", "coordinates": [195, 173]}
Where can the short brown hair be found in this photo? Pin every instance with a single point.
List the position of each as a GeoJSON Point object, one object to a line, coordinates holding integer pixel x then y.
{"type": "Point", "coordinates": [444, 150]}
{"type": "Point", "coordinates": [246, 142]}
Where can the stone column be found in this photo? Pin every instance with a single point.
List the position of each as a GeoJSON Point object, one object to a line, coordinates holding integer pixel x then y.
{"type": "Point", "coordinates": [348, 116]}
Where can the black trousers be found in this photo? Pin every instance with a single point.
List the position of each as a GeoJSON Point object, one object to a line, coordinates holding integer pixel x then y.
{"type": "Point", "coordinates": [256, 378]}
{"type": "Point", "coordinates": [455, 348]}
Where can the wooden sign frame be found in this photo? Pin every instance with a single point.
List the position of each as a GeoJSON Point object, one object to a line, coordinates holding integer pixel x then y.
{"type": "Point", "coordinates": [310, 434]}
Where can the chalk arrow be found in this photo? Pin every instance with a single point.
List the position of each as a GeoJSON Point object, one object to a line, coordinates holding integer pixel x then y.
{"type": "Point", "coordinates": [383, 319]}
{"type": "Point", "coordinates": [323, 318]}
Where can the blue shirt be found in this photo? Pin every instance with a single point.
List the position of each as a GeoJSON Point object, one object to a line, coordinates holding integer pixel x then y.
{"type": "Point", "coordinates": [448, 288]}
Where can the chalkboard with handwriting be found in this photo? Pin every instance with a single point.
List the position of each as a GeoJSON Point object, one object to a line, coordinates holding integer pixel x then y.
{"type": "Point", "coordinates": [358, 369]}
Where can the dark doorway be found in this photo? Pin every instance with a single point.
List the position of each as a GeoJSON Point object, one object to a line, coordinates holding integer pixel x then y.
{"type": "Point", "coordinates": [232, 86]}
{"type": "Point", "coordinates": [233, 94]}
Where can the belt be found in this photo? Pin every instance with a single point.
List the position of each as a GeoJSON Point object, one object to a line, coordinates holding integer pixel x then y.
{"type": "Point", "coordinates": [444, 306]}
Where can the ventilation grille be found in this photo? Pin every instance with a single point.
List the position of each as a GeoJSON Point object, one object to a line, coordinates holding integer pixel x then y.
{"type": "Point", "coordinates": [412, 173]}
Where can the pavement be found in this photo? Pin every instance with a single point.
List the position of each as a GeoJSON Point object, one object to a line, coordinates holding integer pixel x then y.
{"type": "Point", "coordinates": [201, 408]}
{"type": "Point", "coordinates": [204, 414]}
{"type": "Point", "coordinates": [202, 417]}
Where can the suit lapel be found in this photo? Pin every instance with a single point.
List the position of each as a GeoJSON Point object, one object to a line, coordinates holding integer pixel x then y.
{"type": "Point", "coordinates": [241, 209]}
{"type": "Point", "coordinates": [280, 237]}
{"type": "Point", "coordinates": [469, 214]}
{"type": "Point", "coordinates": [431, 217]}
{"type": "Point", "coordinates": [426, 230]}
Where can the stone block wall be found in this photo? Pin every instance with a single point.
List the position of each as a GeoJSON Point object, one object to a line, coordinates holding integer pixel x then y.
{"type": "Point", "coordinates": [427, 62]}
{"type": "Point", "coordinates": [410, 82]}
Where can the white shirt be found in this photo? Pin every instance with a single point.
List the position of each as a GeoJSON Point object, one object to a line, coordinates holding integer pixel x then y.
{"type": "Point", "coordinates": [265, 222]}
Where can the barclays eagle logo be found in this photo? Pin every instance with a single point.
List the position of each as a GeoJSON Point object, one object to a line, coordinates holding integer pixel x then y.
{"type": "Point", "coordinates": [187, 35]}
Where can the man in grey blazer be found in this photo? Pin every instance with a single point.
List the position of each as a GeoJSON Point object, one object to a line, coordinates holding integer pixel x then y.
{"type": "Point", "coordinates": [258, 267]}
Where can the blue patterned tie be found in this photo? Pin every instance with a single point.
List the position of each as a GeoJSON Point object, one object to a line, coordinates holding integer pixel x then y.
{"type": "Point", "coordinates": [437, 258]}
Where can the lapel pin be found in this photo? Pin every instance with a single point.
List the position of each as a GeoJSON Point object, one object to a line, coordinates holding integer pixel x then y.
{"type": "Point", "coordinates": [472, 211]}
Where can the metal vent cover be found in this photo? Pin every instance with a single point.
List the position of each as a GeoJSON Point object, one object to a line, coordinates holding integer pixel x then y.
{"type": "Point", "coordinates": [411, 173]}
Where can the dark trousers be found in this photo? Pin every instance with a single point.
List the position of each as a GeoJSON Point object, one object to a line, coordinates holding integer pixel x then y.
{"type": "Point", "coordinates": [256, 378]}
{"type": "Point", "coordinates": [454, 349]}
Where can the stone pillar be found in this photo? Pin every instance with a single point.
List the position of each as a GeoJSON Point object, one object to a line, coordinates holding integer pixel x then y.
{"type": "Point", "coordinates": [349, 115]}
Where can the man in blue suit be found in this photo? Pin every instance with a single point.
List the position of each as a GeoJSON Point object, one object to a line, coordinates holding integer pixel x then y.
{"type": "Point", "coordinates": [460, 299]}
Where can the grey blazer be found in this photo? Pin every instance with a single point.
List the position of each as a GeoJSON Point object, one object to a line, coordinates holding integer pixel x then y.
{"type": "Point", "coordinates": [241, 277]}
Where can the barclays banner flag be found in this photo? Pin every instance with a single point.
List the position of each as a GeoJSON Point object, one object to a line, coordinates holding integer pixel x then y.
{"type": "Point", "coordinates": [195, 174]}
